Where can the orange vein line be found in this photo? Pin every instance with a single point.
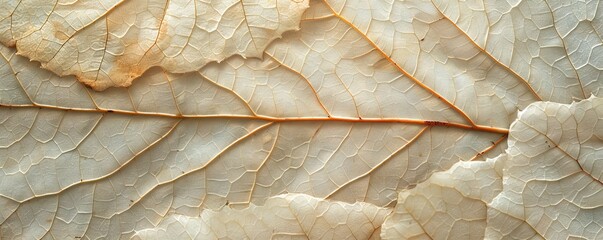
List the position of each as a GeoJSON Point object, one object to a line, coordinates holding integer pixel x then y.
{"type": "Point", "coordinates": [100, 63]}
{"type": "Point", "coordinates": [204, 166]}
{"type": "Point", "coordinates": [211, 81]}
{"type": "Point", "coordinates": [285, 119]}
{"type": "Point", "coordinates": [255, 177]}
{"type": "Point", "coordinates": [524, 81]}
{"type": "Point", "coordinates": [494, 144]}
{"type": "Point", "coordinates": [165, 8]}
{"type": "Point", "coordinates": [103, 15]}
{"type": "Point", "coordinates": [303, 77]}
{"type": "Point", "coordinates": [587, 173]}
{"type": "Point", "coordinates": [101, 177]}
{"type": "Point", "coordinates": [8, 63]}
{"type": "Point", "coordinates": [169, 81]}
{"type": "Point", "coordinates": [420, 133]}
{"type": "Point", "coordinates": [247, 25]}
{"type": "Point", "coordinates": [566, 53]}
{"type": "Point", "coordinates": [408, 75]}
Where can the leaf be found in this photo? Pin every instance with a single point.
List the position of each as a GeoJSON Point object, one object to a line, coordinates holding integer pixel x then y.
{"type": "Point", "coordinates": [366, 100]}
{"type": "Point", "coordinates": [449, 205]}
{"type": "Point", "coordinates": [111, 43]}
{"type": "Point", "coordinates": [114, 165]}
{"type": "Point", "coordinates": [547, 186]}
{"type": "Point", "coordinates": [283, 216]}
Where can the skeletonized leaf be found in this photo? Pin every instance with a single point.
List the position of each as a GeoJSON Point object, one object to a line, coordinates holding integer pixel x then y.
{"type": "Point", "coordinates": [110, 43]}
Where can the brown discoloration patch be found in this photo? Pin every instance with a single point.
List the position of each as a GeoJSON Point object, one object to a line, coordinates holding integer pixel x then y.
{"type": "Point", "coordinates": [130, 70]}
{"type": "Point", "coordinates": [163, 31]}
{"type": "Point", "coordinates": [88, 82]}
{"type": "Point", "coordinates": [59, 31]}
{"type": "Point", "coordinates": [124, 68]}
{"type": "Point", "coordinates": [11, 43]}
{"type": "Point", "coordinates": [436, 123]}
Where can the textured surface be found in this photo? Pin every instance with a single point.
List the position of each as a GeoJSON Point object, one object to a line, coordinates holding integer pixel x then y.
{"type": "Point", "coordinates": [554, 174]}
{"type": "Point", "coordinates": [365, 100]}
{"type": "Point", "coordinates": [547, 185]}
{"type": "Point", "coordinates": [282, 217]}
{"type": "Point", "coordinates": [449, 205]}
{"type": "Point", "coordinates": [109, 43]}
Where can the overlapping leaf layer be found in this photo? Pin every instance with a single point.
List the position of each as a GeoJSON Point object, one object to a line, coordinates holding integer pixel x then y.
{"type": "Point", "coordinates": [223, 125]}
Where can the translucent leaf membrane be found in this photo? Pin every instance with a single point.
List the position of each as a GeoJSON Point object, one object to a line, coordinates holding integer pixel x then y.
{"type": "Point", "coordinates": [547, 185]}
{"type": "Point", "coordinates": [110, 43]}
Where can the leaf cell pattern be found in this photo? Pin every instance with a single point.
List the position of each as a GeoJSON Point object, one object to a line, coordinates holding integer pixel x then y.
{"type": "Point", "coordinates": [309, 106]}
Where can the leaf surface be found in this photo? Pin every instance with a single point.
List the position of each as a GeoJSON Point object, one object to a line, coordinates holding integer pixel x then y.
{"type": "Point", "coordinates": [366, 100]}
{"type": "Point", "coordinates": [547, 185]}
{"type": "Point", "coordinates": [111, 43]}
{"type": "Point", "coordinates": [283, 216]}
